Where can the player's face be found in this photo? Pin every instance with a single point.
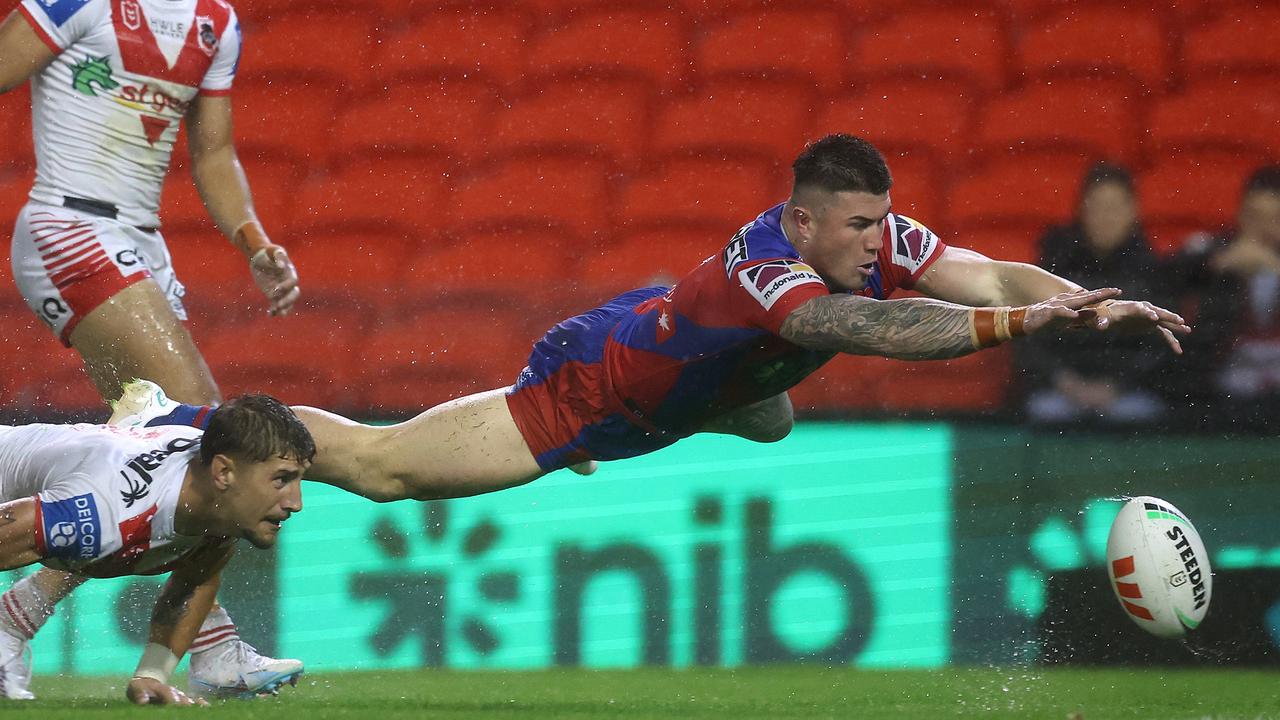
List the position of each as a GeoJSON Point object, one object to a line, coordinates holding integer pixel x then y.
{"type": "Point", "coordinates": [267, 494]}
{"type": "Point", "coordinates": [844, 236]}
{"type": "Point", "coordinates": [1260, 217]}
{"type": "Point", "coordinates": [1109, 213]}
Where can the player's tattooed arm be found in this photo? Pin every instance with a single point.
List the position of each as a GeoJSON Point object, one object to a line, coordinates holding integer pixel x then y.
{"type": "Point", "coordinates": [924, 329]}
{"type": "Point", "coordinates": [907, 329]}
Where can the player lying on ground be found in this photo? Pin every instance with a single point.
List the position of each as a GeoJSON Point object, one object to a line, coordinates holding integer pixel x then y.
{"type": "Point", "coordinates": [717, 352]}
{"type": "Point", "coordinates": [105, 501]}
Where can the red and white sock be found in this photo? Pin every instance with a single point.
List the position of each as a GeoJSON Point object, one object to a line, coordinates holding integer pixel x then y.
{"type": "Point", "coordinates": [23, 609]}
{"type": "Point", "coordinates": [216, 630]}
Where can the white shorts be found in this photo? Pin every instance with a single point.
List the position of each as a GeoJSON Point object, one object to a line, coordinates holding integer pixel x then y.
{"type": "Point", "coordinates": [67, 263]}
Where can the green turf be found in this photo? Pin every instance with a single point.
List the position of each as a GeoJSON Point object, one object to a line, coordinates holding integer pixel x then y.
{"type": "Point", "coordinates": [790, 692]}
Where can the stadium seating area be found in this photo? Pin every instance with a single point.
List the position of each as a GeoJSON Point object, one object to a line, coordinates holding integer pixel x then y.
{"type": "Point", "coordinates": [452, 178]}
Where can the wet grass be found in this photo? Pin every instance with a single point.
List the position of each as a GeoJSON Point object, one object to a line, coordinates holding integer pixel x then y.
{"type": "Point", "coordinates": [783, 692]}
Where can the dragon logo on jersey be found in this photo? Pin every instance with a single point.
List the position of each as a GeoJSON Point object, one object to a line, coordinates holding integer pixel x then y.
{"type": "Point", "coordinates": [205, 34]}
{"type": "Point", "coordinates": [91, 72]}
{"type": "Point", "coordinates": [771, 280]}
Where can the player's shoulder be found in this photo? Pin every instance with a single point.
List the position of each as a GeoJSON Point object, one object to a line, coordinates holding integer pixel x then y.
{"type": "Point", "coordinates": [759, 240]}
{"type": "Point", "coordinates": [60, 12]}
{"type": "Point", "coordinates": [908, 241]}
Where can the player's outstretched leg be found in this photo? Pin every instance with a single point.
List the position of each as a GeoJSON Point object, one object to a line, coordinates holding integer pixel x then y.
{"type": "Point", "coordinates": [769, 420]}
{"type": "Point", "coordinates": [463, 447]}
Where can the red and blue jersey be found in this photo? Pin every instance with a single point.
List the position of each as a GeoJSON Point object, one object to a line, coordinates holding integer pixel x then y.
{"type": "Point", "coordinates": [656, 364]}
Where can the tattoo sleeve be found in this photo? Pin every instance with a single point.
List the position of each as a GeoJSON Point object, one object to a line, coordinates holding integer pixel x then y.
{"type": "Point", "coordinates": [907, 329]}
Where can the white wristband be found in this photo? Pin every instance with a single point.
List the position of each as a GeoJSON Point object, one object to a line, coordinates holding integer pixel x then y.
{"type": "Point", "coordinates": [157, 663]}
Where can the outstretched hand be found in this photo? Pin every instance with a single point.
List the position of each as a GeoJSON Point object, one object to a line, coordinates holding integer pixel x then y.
{"type": "Point", "coordinates": [1136, 316]}
{"type": "Point", "coordinates": [276, 277]}
{"type": "Point", "coordinates": [149, 691]}
{"type": "Point", "coordinates": [1063, 310]}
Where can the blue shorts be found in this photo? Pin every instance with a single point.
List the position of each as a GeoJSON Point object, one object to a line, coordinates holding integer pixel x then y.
{"type": "Point", "coordinates": [562, 403]}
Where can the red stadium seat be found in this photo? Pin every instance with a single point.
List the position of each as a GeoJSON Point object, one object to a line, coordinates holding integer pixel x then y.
{"type": "Point", "coordinates": [272, 180]}
{"type": "Point", "coordinates": [328, 48]}
{"type": "Point", "coordinates": [917, 189]}
{"type": "Point", "coordinates": [1027, 191]}
{"type": "Point", "coordinates": [974, 383]}
{"type": "Point", "coordinates": [39, 373]}
{"type": "Point", "coordinates": [353, 271]}
{"type": "Point", "coordinates": [219, 288]}
{"type": "Point", "coordinates": [15, 128]}
{"type": "Point", "coordinates": [1242, 41]}
{"type": "Point", "coordinates": [1090, 116]}
{"type": "Point", "coordinates": [441, 354]}
{"type": "Point", "coordinates": [392, 195]}
{"type": "Point", "coordinates": [1015, 244]}
{"type": "Point", "coordinates": [1191, 192]}
{"type": "Point", "coordinates": [15, 184]}
{"type": "Point", "coordinates": [307, 358]}
{"type": "Point", "coordinates": [648, 42]}
{"type": "Point", "coordinates": [650, 256]}
{"type": "Point", "coordinates": [730, 116]}
{"type": "Point", "coordinates": [1092, 40]}
{"type": "Point", "coordinates": [283, 118]}
{"type": "Point", "coordinates": [602, 116]}
{"type": "Point", "coordinates": [449, 118]}
{"type": "Point", "coordinates": [764, 42]}
{"type": "Point", "coordinates": [965, 44]}
{"type": "Point", "coordinates": [567, 190]}
{"type": "Point", "coordinates": [906, 115]}
{"type": "Point", "coordinates": [1220, 115]}
{"type": "Point", "coordinates": [722, 194]}
{"type": "Point", "coordinates": [531, 264]}
{"type": "Point", "coordinates": [489, 44]}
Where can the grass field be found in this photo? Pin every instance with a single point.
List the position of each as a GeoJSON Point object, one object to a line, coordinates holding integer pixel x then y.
{"type": "Point", "coordinates": [790, 692]}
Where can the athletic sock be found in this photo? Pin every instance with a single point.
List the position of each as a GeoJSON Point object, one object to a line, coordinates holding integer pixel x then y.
{"type": "Point", "coordinates": [23, 609]}
{"type": "Point", "coordinates": [216, 630]}
{"type": "Point", "coordinates": [196, 416]}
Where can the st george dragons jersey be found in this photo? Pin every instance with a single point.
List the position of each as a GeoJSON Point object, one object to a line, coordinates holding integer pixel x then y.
{"type": "Point", "coordinates": [711, 343]}
{"type": "Point", "coordinates": [106, 111]}
{"type": "Point", "coordinates": [106, 496]}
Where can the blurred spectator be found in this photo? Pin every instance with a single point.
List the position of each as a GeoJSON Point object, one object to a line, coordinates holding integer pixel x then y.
{"type": "Point", "coordinates": [1233, 355]}
{"type": "Point", "coordinates": [1090, 375]}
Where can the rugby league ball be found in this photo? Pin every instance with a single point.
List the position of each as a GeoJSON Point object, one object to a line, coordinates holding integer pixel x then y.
{"type": "Point", "coordinates": [1159, 568]}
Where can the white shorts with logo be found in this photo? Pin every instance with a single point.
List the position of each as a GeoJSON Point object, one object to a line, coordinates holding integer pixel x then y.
{"type": "Point", "coordinates": [67, 263]}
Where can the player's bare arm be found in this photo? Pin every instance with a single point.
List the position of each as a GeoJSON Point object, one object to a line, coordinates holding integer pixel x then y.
{"type": "Point", "coordinates": [184, 601]}
{"type": "Point", "coordinates": [224, 189]}
{"type": "Point", "coordinates": [17, 534]}
{"type": "Point", "coordinates": [970, 278]}
{"type": "Point", "coordinates": [22, 53]}
{"type": "Point", "coordinates": [919, 328]}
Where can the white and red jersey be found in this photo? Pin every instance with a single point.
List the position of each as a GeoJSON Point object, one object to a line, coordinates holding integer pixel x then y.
{"type": "Point", "coordinates": [106, 111]}
{"type": "Point", "coordinates": [106, 496]}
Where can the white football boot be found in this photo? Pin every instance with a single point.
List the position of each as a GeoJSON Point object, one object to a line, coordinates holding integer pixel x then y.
{"type": "Point", "coordinates": [141, 401]}
{"type": "Point", "coordinates": [236, 670]}
{"type": "Point", "coordinates": [15, 667]}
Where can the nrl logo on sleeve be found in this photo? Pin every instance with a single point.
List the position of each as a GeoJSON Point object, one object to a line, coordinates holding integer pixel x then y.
{"type": "Point", "coordinates": [771, 280]}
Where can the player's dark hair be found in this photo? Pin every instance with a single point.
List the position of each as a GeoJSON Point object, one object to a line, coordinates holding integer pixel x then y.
{"type": "Point", "coordinates": [256, 428]}
{"type": "Point", "coordinates": [1105, 173]}
{"type": "Point", "coordinates": [1264, 179]}
{"type": "Point", "coordinates": [842, 163]}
